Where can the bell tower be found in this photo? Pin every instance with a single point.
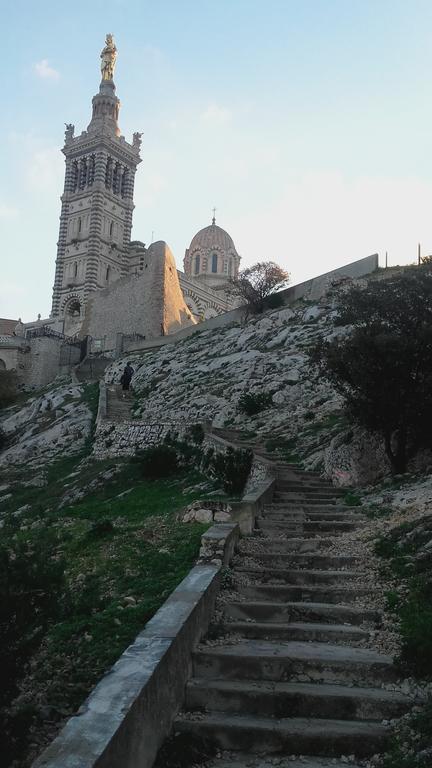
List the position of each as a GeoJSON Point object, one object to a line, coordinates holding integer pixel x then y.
{"type": "Point", "coordinates": [97, 202]}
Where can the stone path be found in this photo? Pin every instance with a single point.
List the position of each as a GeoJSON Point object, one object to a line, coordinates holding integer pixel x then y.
{"type": "Point", "coordinates": [119, 403]}
{"type": "Point", "coordinates": [280, 672]}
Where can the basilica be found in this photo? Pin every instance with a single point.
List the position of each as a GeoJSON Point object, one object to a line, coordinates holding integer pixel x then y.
{"type": "Point", "coordinates": [95, 250]}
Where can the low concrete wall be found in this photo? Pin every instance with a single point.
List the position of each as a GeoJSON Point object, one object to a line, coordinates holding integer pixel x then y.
{"type": "Point", "coordinates": [128, 715]}
{"type": "Point", "coordinates": [316, 286]}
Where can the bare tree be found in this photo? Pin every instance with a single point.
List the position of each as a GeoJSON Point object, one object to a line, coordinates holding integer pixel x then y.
{"type": "Point", "coordinates": [256, 283]}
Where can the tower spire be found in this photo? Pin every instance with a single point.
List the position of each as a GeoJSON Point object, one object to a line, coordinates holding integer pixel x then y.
{"type": "Point", "coordinates": [214, 216]}
{"type": "Point", "coordinates": [106, 105]}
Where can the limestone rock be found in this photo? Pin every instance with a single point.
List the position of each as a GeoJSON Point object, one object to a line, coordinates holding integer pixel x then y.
{"type": "Point", "coordinates": [355, 458]}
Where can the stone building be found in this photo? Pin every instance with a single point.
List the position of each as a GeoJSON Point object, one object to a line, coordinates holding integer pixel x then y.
{"type": "Point", "coordinates": [97, 203]}
{"type": "Point", "coordinates": [94, 246]}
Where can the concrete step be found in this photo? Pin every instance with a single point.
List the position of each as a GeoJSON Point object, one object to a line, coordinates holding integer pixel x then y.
{"type": "Point", "coordinates": [280, 593]}
{"type": "Point", "coordinates": [288, 736]}
{"type": "Point", "coordinates": [281, 699]}
{"type": "Point", "coordinates": [295, 576]}
{"type": "Point", "coordinates": [303, 498]}
{"type": "Point", "coordinates": [266, 630]}
{"type": "Point", "coordinates": [283, 545]}
{"type": "Point", "coordinates": [321, 613]}
{"type": "Point", "coordinates": [308, 487]}
{"type": "Point", "coordinates": [284, 661]}
{"type": "Point", "coordinates": [317, 561]}
{"type": "Point", "coordinates": [309, 527]}
{"type": "Point", "coordinates": [280, 506]}
{"type": "Point", "coordinates": [298, 515]}
{"type": "Point", "coordinates": [248, 760]}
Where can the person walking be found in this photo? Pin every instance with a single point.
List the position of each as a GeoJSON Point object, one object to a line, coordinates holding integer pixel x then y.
{"type": "Point", "coordinates": [127, 377]}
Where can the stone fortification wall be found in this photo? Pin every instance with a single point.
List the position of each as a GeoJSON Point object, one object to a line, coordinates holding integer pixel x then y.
{"type": "Point", "coordinates": [114, 439]}
{"type": "Point", "coordinates": [43, 361]}
{"type": "Point", "coordinates": [313, 289]}
{"type": "Point", "coordinates": [150, 304]}
{"type": "Point", "coordinates": [11, 357]}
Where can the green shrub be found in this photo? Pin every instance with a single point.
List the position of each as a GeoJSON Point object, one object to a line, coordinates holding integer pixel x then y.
{"type": "Point", "coordinates": [254, 402]}
{"type": "Point", "coordinates": [232, 468]}
{"type": "Point", "coordinates": [159, 461]}
{"type": "Point", "coordinates": [352, 500]}
{"type": "Point", "coordinates": [275, 300]}
{"type": "Point", "coordinates": [3, 439]}
{"type": "Point", "coordinates": [101, 528]}
{"type": "Point", "coordinates": [196, 433]}
{"type": "Point", "coordinates": [8, 388]}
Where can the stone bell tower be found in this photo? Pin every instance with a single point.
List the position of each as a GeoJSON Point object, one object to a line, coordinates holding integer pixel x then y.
{"type": "Point", "coordinates": [97, 202]}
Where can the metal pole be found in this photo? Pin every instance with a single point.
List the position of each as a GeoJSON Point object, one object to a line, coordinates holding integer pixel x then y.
{"type": "Point", "coordinates": [386, 262]}
{"type": "Point", "coordinates": [419, 254]}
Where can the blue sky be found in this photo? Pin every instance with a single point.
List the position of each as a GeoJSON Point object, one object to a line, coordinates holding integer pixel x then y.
{"type": "Point", "coordinates": [305, 122]}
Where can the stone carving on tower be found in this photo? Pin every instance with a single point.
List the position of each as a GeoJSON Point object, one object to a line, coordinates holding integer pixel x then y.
{"type": "Point", "coordinates": [97, 203]}
{"type": "Point", "coordinates": [109, 57]}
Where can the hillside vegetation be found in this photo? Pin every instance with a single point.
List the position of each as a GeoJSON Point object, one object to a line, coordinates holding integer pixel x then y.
{"type": "Point", "coordinates": [88, 552]}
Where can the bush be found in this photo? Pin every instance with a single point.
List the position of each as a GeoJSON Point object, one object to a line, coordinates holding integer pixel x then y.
{"type": "Point", "coordinates": [383, 369]}
{"type": "Point", "coordinates": [159, 461]}
{"type": "Point", "coordinates": [100, 529]}
{"type": "Point", "coordinates": [254, 402]}
{"type": "Point", "coordinates": [232, 468]}
{"type": "Point", "coordinates": [275, 300]}
{"type": "Point", "coordinates": [8, 388]}
{"type": "Point", "coordinates": [3, 439]}
{"type": "Point", "coordinates": [196, 433]}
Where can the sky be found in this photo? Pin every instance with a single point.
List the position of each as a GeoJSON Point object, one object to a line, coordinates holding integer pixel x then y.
{"type": "Point", "coordinates": [305, 122]}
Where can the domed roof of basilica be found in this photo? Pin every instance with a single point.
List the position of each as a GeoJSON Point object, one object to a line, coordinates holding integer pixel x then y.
{"type": "Point", "coordinates": [212, 237]}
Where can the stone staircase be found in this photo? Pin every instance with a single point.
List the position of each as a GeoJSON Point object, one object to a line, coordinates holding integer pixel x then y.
{"type": "Point", "coordinates": [92, 368]}
{"type": "Point", "coordinates": [281, 672]}
{"type": "Point", "coordinates": [119, 403]}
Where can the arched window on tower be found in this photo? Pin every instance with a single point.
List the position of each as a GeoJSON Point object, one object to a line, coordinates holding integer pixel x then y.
{"type": "Point", "coordinates": [109, 172]}
{"type": "Point", "coordinates": [107, 275]}
{"type": "Point", "coordinates": [74, 180]}
{"type": "Point", "coordinates": [214, 263]}
{"type": "Point", "coordinates": [197, 264]}
{"type": "Point", "coordinates": [83, 173]}
{"type": "Point", "coordinates": [116, 179]}
{"type": "Point", "coordinates": [79, 225]}
{"type": "Point", "coordinates": [91, 169]}
{"type": "Point", "coordinates": [124, 182]}
{"type": "Point", "coordinates": [75, 269]}
{"type": "Point", "coordinates": [111, 229]}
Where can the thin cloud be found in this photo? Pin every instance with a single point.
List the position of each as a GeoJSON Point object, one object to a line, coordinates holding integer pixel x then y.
{"type": "Point", "coordinates": [8, 211]}
{"type": "Point", "coordinates": [215, 114]}
{"type": "Point", "coordinates": [45, 170]}
{"type": "Point", "coordinates": [44, 71]}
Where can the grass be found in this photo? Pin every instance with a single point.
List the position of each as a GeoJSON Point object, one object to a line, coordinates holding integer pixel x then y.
{"type": "Point", "coordinates": [330, 421]}
{"type": "Point", "coordinates": [411, 748]}
{"type": "Point", "coordinates": [413, 606]}
{"type": "Point", "coordinates": [121, 540]}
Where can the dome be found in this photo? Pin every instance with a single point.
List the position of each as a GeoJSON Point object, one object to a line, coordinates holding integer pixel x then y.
{"type": "Point", "coordinates": [212, 237]}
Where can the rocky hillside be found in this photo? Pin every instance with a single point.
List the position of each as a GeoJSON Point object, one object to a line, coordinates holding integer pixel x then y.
{"type": "Point", "coordinates": [55, 422]}
{"type": "Point", "coordinates": [204, 377]}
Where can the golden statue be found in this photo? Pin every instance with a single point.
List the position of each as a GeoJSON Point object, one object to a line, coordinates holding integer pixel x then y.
{"type": "Point", "coordinates": [108, 56]}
